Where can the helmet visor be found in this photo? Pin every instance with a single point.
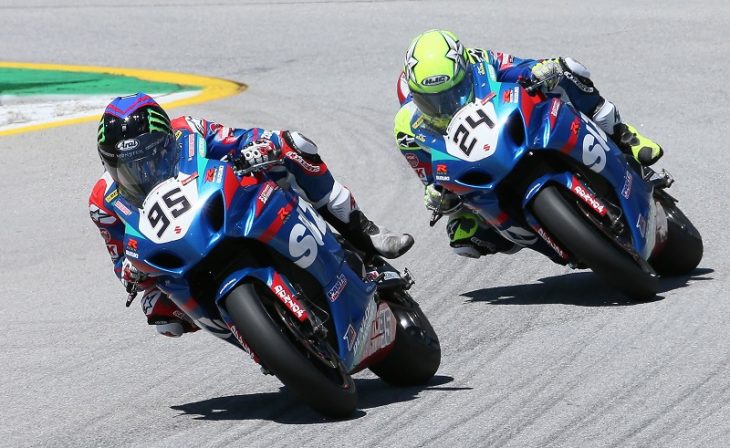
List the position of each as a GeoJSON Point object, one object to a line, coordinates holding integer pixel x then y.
{"type": "Point", "coordinates": [440, 107]}
{"type": "Point", "coordinates": [145, 164]}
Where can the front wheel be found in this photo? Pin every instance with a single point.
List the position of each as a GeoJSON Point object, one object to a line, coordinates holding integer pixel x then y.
{"type": "Point", "coordinates": [590, 246]}
{"type": "Point", "coordinates": [416, 354]}
{"type": "Point", "coordinates": [306, 364]}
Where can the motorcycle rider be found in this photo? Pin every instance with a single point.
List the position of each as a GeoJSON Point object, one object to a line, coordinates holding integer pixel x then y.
{"type": "Point", "coordinates": [137, 121]}
{"type": "Point", "coordinates": [438, 78]}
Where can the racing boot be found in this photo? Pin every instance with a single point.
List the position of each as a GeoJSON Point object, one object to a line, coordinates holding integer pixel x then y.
{"type": "Point", "coordinates": [644, 150]}
{"type": "Point", "coordinates": [369, 237]}
{"type": "Point", "coordinates": [470, 236]}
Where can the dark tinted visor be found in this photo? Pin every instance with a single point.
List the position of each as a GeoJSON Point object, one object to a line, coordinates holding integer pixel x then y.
{"type": "Point", "coordinates": [144, 162]}
{"type": "Point", "coordinates": [443, 105]}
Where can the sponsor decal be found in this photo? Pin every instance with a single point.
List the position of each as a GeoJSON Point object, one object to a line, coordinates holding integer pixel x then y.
{"type": "Point", "coordinates": [444, 178]}
{"type": "Point", "coordinates": [435, 80]}
{"type": "Point", "coordinates": [132, 244]}
{"type": "Point", "coordinates": [266, 193]}
{"type": "Point", "coordinates": [628, 181]}
{"type": "Point", "coordinates": [588, 198]}
{"type": "Point", "coordinates": [595, 147]}
{"type": "Point", "coordinates": [285, 295]}
{"type": "Point", "coordinates": [372, 275]}
{"type": "Point", "coordinates": [420, 138]}
{"type": "Point", "coordinates": [111, 196]}
{"type": "Point", "coordinates": [382, 331]}
{"type": "Point", "coordinates": [418, 122]}
{"type": "Point", "coordinates": [480, 69]}
{"type": "Point", "coordinates": [100, 216]}
{"type": "Point", "coordinates": [488, 98]}
{"type": "Point", "coordinates": [487, 147]}
{"type": "Point", "coordinates": [339, 286]}
{"type": "Point", "coordinates": [244, 345]}
{"type": "Point", "coordinates": [412, 159]}
{"type": "Point", "coordinates": [574, 127]}
{"type": "Point", "coordinates": [422, 174]}
{"type": "Point", "coordinates": [106, 235]}
{"type": "Point", "coordinates": [219, 175]}
{"type": "Point", "coordinates": [301, 162]}
{"type": "Point", "coordinates": [189, 179]}
{"type": "Point", "coordinates": [130, 253]}
{"type": "Point", "coordinates": [126, 145]}
{"type": "Point", "coordinates": [178, 230]}
{"type": "Point", "coordinates": [122, 208]}
{"type": "Point", "coordinates": [307, 235]}
{"type": "Point", "coordinates": [364, 330]}
{"type": "Point", "coordinates": [178, 133]}
{"type": "Point", "coordinates": [551, 243]}
{"type": "Point", "coordinates": [555, 108]}
{"type": "Point", "coordinates": [441, 169]}
{"type": "Point", "coordinates": [210, 175]}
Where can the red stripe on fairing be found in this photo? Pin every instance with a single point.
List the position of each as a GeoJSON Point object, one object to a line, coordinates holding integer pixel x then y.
{"type": "Point", "coordinates": [276, 224]}
{"type": "Point", "coordinates": [527, 104]}
{"type": "Point", "coordinates": [570, 144]}
{"type": "Point", "coordinates": [230, 185]}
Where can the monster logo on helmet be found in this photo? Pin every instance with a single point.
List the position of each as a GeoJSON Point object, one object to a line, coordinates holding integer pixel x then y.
{"type": "Point", "coordinates": [439, 75]}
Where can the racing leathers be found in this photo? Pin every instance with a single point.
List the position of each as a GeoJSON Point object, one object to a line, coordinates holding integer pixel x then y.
{"type": "Point", "coordinates": [303, 170]}
{"type": "Point", "coordinates": [469, 234]}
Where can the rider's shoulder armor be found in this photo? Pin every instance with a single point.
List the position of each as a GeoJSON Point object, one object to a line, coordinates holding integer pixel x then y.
{"type": "Point", "coordinates": [404, 130]}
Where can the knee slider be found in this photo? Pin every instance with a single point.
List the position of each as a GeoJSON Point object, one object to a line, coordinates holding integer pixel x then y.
{"type": "Point", "coordinates": [577, 68]}
{"type": "Point", "coordinates": [607, 117]}
{"type": "Point", "coordinates": [171, 329]}
{"type": "Point", "coordinates": [300, 143]}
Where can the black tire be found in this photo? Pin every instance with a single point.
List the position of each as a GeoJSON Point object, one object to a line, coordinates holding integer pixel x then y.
{"type": "Point", "coordinates": [330, 391]}
{"type": "Point", "coordinates": [416, 355]}
{"type": "Point", "coordinates": [589, 245]}
{"type": "Point", "coordinates": [683, 249]}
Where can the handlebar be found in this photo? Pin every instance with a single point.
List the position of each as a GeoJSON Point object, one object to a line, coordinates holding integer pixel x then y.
{"type": "Point", "coordinates": [532, 87]}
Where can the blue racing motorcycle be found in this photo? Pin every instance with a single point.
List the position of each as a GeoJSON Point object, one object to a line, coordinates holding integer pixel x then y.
{"type": "Point", "coordinates": [546, 177]}
{"type": "Point", "coordinates": [257, 266]}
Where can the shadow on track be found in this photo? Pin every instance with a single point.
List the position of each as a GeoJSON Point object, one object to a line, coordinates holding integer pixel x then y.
{"type": "Point", "coordinates": [579, 288]}
{"type": "Point", "coordinates": [283, 407]}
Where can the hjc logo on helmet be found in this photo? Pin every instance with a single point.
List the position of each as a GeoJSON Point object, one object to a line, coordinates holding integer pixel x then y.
{"type": "Point", "coordinates": [126, 145]}
{"type": "Point", "coordinates": [435, 80]}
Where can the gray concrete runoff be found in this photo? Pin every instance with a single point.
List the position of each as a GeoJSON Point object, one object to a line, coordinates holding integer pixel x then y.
{"type": "Point", "coordinates": [533, 354]}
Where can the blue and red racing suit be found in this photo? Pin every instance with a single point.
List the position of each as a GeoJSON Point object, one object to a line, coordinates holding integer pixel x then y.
{"type": "Point", "coordinates": [575, 88]}
{"type": "Point", "coordinates": [303, 170]}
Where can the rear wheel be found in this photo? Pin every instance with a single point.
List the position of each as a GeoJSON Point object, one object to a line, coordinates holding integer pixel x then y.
{"type": "Point", "coordinates": [683, 249]}
{"type": "Point", "coordinates": [416, 354]}
{"type": "Point", "coordinates": [589, 245]}
{"type": "Point", "coordinates": [305, 363]}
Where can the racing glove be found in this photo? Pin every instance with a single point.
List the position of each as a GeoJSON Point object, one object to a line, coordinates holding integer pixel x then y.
{"type": "Point", "coordinates": [549, 72]}
{"type": "Point", "coordinates": [258, 152]}
{"type": "Point", "coordinates": [439, 200]}
{"type": "Point", "coordinates": [133, 276]}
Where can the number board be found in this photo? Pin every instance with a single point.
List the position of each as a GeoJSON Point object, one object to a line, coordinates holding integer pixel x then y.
{"type": "Point", "coordinates": [166, 213]}
{"type": "Point", "coordinates": [473, 132]}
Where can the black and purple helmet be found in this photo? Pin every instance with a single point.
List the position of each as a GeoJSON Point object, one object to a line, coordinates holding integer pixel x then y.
{"type": "Point", "coordinates": [137, 146]}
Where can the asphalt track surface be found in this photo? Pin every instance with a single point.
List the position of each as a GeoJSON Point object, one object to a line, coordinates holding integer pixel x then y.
{"type": "Point", "coordinates": [533, 354]}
